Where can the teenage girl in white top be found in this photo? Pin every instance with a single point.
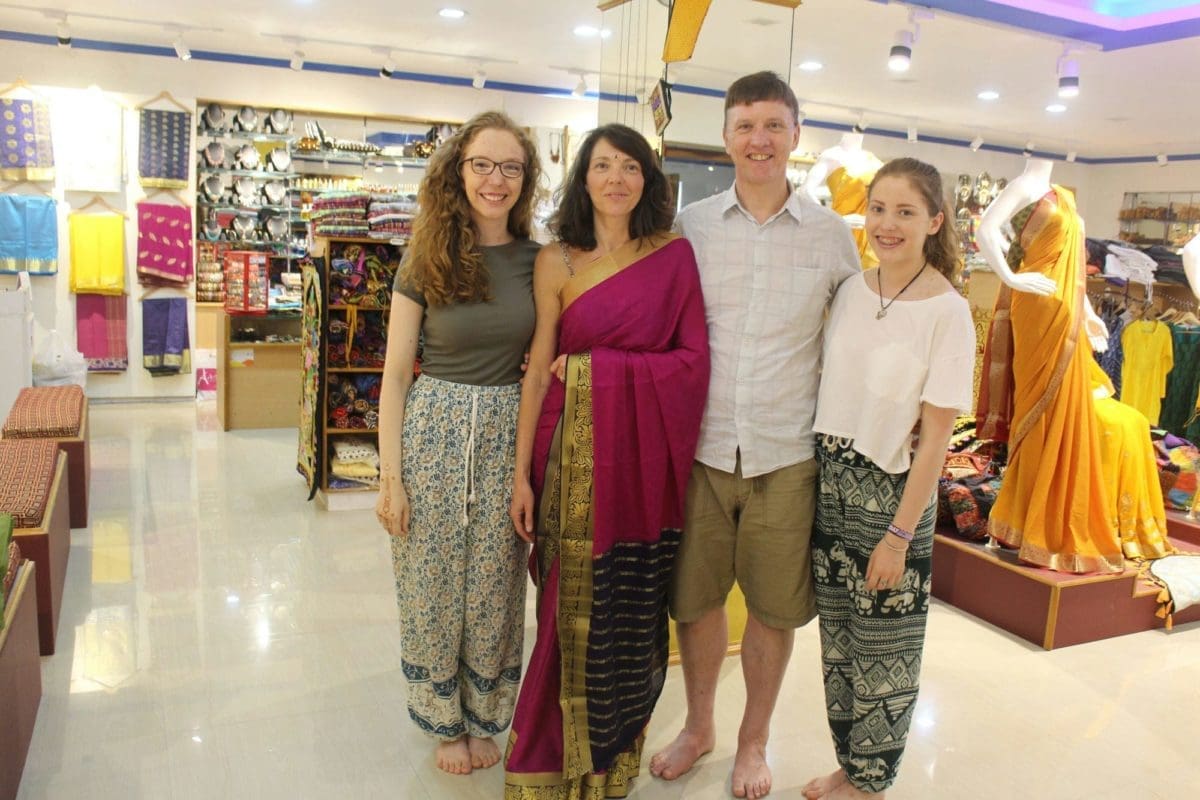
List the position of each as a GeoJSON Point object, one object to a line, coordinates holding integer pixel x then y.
{"type": "Point", "coordinates": [899, 356]}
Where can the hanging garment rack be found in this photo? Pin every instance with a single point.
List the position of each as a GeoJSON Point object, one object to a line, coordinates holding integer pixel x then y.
{"type": "Point", "coordinates": [166, 96]}
{"type": "Point", "coordinates": [18, 84]}
{"type": "Point", "coordinates": [97, 200]}
{"type": "Point", "coordinates": [172, 193]}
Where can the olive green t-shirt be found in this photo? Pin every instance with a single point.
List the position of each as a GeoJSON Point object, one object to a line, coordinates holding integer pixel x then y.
{"type": "Point", "coordinates": [482, 344]}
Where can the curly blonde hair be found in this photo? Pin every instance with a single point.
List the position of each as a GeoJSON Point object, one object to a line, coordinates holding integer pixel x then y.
{"type": "Point", "coordinates": [443, 261]}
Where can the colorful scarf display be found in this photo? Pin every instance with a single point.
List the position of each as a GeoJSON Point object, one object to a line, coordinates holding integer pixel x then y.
{"type": "Point", "coordinates": [165, 349]}
{"type": "Point", "coordinates": [164, 148]}
{"type": "Point", "coordinates": [164, 251]}
{"type": "Point", "coordinates": [362, 275]}
{"type": "Point", "coordinates": [101, 332]}
{"type": "Point", "coordinates": [354, 401]}
{"type": "Point", "coordinates": [97, 253]}
{"type": "Point", "coordinates": [28, 234]}
{"type": "Point", "coordinates": [26, 150]}
{"type": "Point", "coordinates": [341, 214]}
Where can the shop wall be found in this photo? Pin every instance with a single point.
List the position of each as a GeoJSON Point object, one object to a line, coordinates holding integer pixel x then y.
{"type": "Point", "coordinates": [1109, 182]}
{"type": "Point", "coordinates": [131, 79]}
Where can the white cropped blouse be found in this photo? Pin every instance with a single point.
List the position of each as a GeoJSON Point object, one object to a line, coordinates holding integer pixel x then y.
{"type": "Point", "coordinates": [876, 373]}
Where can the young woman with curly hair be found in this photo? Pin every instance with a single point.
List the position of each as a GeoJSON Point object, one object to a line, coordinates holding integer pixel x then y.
{"type": "Point", "coordinates": [446, 441]}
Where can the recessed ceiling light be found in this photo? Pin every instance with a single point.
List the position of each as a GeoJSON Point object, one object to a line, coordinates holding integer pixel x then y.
{"type": "Point", "coordinates": [811, 66]}
{"type": "Point", "coordinates": [1056, 108]}
{"type": "Point", "coordinates": [988, 94]}
{"type": "Point", "coordinates": [586, 31]}
{"type": "Point", "coordinates": [452, 13]}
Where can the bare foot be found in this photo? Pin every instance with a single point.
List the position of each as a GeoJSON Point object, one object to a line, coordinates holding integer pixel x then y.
{"type": "Point", "coordinates": [848, 791]}
{"type": "Point", "coordinates": [484, 752]}
{"type": "Point", "coordinates": [679, 756]}
{"type": "Point", "coordinates": [454, 757]}
{"type": "Point", "coordinates": [751, 775]}
{"type": "Point", "coordinates": [820, 787]}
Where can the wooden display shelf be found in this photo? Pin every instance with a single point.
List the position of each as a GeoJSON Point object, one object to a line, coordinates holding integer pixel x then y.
{"type": "Point", "coordinates": [20, 678]}
{"type": "Point", "coordinates": [347, 306]}
{"type": "Point", "coordinates": [357, 370]}
{"type": "Point", "coordinates": [264, 392]}
{"type": "Point", "coordinates": [346, 431]}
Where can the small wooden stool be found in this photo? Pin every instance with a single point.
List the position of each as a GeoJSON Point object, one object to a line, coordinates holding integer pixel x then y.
{"type": "Point", "coordinates": [20, 679]}
{"type": "Point", "coordinates": [59, 413]}
{"type": "Point", "coordinates": [34, 489]}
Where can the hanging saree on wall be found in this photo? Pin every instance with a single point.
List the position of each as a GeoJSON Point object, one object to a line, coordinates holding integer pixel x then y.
{"type": "Point", "coordinates": [612, 455]}
{"type": "Point", "coordinates": [101, 331]}
{"type": "Point", "coordinates": [97, 253]}
{"type": "Point", "coordinates": [164, 248]}
{"type": "Point", "coordinates": [164, 148]}
{"type": "Point", "coordinates": [26, 149]}
{"type": "Point", "coordinates": [28, 234]}
{"type": "Point", "coordinates": [165, 349]}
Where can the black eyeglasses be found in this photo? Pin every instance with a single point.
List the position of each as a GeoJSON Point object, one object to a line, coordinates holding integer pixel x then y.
{"type": "Point", "coordinates": [485, 166]}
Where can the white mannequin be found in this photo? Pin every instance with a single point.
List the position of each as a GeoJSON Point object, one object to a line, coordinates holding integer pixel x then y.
{"type": "Point", "coordinates": [848, 153]}
{"type": "Point", "coordinates": [1191, 265]}
{"type": "Point", "coordinates": [1030, 186]}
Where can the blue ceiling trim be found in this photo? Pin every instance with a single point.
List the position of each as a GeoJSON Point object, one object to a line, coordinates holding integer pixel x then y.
{"type": "Point", "coordinates": [523, 88]}
{"type": "Point", "coordinates": [1106, 38]}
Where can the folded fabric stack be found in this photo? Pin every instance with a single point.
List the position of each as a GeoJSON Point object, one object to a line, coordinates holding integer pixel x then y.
{"type": "Point", "coordinates": [355, 462]}
{"type": "Point", "coordinates": [356, 341]}
{"type": "Point", "coordinates": [340, 214]}
{"type": "Point", "coordinates": [390, 216]}
{"type": "Point", "coordinates": [10, 559]}
{"type": "Point", "coordinates": [362, 275]}
{"type": "Point", "coordinates": [354, 401]}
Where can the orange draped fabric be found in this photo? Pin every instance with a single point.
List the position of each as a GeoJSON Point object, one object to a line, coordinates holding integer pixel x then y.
{"type": "Point", "coordinates": [1053, 504]}
{"type": "Point", "coordinates": [848, 195]}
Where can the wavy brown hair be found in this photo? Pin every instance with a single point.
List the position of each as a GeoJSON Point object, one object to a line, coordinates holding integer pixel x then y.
{"type": "Point", "coordinates": [941, 248]}
{"type": "Point", "coordinates": [573, 222]}
{"type": "Point", "coordinates": [443, 260]}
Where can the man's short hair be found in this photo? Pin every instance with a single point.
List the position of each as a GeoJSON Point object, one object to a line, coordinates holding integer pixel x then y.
{"type": "Point", "coordinates": [765, 85]}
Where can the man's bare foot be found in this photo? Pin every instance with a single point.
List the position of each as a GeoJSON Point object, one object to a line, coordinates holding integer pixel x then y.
{"type": "Point", "coordinates": [820, 787]}
{"type": "Point", "coordinates": [848, 791]}
{"type": "Point", "coordinates": [454, 757]}
{"type": "Point", "coordinates": [484, 752]}
{"type": "Point", "coordinates": [751, 775]}
{"type": "Point", "coordinates": [679, 756]}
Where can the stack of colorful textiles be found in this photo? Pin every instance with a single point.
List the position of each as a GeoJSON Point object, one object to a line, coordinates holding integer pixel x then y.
{"type": "Point", "coordinates": [391, 215]}
{"type": "Point", "coordinates": [164, 251]}
{"type": "Point", "coordinates": [1177, 460]}
{"type": "Point", "coordinates": [359, 340]}
{"type": "Point", "coordinates": [354, 401]}
{"type": "Point", "coordinates": [362, 275]}
{"type": "Point", "coordinates": [355, 462]}
{"type": "Point", "coordinates": [340, 214]}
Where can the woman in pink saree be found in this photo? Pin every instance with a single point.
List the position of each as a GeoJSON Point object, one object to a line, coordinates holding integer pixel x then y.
{"type": "Point", "coordinates": [605, 439]}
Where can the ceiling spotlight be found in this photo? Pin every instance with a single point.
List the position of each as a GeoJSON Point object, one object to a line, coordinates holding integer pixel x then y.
{"type": "Point", "coordinates": [811, 65]}
{"type": "Point", "coordinates": [989, 95]}
{"type": "Point", "coordinates": [452, 13]}
{"type": "Point", "coordinates": [480, 79]}
{"type": "Point", "coordinates": [387, 69]}
{"type": "Point", "coordinates": [297, 62]}
{"type": "Point", "coordinates": [64, 33]}
{"type": "Point", "coordinates": [1161, 158]}
{"type": "Point", "coordinates": [1056, 108]}
{"type": "Point", "coordinates": [1068, 77]}
{"type": "Point", "coordinates": [181, 49]}
{"type": "Point", "coordinates": [912, 133]}
{"type": "Point", "coordinates": [1071, 156]}
{"type": "Point", "coordinates": [976, 143]}
{"type": "Point", "coordinates": [1028, 151]}
{"type": "Point", "coordinates": [580, 88]}
{"type": "Point", "coordinates": [860, 126]}
{"type": "Point", "coordinates": [900, 57]}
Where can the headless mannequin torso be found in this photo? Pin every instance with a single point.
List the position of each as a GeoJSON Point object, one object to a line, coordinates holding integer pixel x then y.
{"type": "Point", "coordinates": [848, 154]}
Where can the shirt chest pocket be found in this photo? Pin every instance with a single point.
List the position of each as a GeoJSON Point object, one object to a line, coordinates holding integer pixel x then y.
{"type": "Point", "coordinates": [892, 371]}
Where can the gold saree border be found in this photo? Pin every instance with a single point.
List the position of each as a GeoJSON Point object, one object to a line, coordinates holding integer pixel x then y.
{"type": "Point", "coordinates": [575, 563]}
{"type": "Point", "coordinates": [615, 783]}
{"type": "Point", "coordinates": [163, 183]}
{"type": "Point", "coordinates": [617, 261]}
{"type": "Point", "coordinates": [1059, 562]}
{"type": "Point", "coordinates": [32, 174]}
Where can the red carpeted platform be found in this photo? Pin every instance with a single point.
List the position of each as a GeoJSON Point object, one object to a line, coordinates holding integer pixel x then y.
{"type": "Point", "coordinates": [1180, 528]}
{"type": "Point", "coordinates": [1050, 609]}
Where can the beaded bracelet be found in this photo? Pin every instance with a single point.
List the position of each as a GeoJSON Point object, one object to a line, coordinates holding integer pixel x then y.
{"type": "Point", "coordinates": [903, 534]}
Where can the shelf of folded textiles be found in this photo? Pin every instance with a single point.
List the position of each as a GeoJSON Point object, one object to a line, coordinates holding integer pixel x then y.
{"type": "Point", "coordinates": [344, 306]}
{"type": "Point", "coordinates": [335, 488]}
{"type": "Point", "coordinates": [236, 343]}
{"type": "Point", "coordinates": [244, 208]}
{"type": "Point", "coordinates": [361, 239]}
{"type": "Point", "coordinates": [247, 173]}
{"type": "Point", "coordinates": [251, 136]}
{"type": "Point", "coordinates": [332, 430]}
{"type": "Point", "coordinates": [250, 243]}
{"type": "Point", "coordinates": [356, 159]}
{"type": "Point", "coordinates": [356, 369]}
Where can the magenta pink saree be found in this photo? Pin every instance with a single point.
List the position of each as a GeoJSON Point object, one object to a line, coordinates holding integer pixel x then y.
{"type": "Point", "coordinates": [612, 455]}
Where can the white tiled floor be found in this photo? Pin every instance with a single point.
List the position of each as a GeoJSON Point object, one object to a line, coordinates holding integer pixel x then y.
{"type": "Point", "coordinates": [223, 638]}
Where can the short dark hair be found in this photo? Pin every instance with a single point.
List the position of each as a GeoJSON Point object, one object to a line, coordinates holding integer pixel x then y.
{"type": "Point", "coordinates": [765, 85]}
{"type": "Point", "coordinates": [572, 222]}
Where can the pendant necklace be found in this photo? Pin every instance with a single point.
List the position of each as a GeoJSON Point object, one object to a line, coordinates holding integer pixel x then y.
{"type": "Point", "coordinates": [883, 309]}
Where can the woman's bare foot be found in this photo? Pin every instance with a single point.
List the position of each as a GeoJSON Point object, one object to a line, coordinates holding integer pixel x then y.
{"type": "Point", "coordinates": [454, 757]}
{"type": "Point", "coordinates": [484, 752]}
{"type": "Point", "coordinates": [820, 787]}
{"type": "Point", "coordinates": [848, 791]}
{"type": "Point", "coordinates": [751, 775]}
{"type": "Point", "coordinates": [678, 757]}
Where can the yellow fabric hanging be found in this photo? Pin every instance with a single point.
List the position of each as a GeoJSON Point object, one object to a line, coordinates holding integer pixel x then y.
{"type": "Point", "coordinates": [686, 18]}
{"type": "Point", "coordinates": [848, 195]}
{"type": "Point", "coordinates": [97, 253]}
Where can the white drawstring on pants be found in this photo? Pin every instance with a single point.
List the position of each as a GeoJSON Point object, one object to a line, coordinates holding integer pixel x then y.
{"type": "Point", "coordinates": [469, 462]}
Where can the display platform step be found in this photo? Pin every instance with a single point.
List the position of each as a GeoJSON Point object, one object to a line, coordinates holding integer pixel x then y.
{"type": "Point", "coordinates": [1184, 529]}
{"type": "Point", "coordinates": [1051, 609]}
{"type": "Point", "coordinates": [346, 501]}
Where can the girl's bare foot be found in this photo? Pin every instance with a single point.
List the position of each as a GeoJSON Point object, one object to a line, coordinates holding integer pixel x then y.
{"type": "Point", "coordinates": [454, 757]}
{"type": "Point", "coordinates": [484, 752]}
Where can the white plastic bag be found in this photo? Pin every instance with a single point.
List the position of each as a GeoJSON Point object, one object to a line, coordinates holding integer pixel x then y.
{"type": "Point", "coordinates": [55, 363]}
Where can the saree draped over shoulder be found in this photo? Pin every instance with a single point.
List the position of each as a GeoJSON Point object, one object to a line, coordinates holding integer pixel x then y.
{"type": "Point", "coordinates": [1053, 504]}
{"type": "Point", "coordinates": [611, 459]}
